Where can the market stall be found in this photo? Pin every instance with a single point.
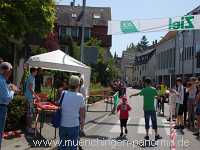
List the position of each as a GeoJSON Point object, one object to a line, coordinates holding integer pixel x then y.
{"type": "Point", "coordinates": [57, 60]}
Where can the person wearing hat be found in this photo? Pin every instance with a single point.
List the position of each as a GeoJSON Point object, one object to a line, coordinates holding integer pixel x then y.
{"type": "Point", "coordinates": [123, 108]}
{"type": "Point", "coordinates": [6, 94]}
{"type": "Point", "coordinates": [72, 115]}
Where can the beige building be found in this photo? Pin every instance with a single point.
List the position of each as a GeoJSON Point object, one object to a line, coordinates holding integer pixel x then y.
{"type": "Point", "coordinates": [127, 66]}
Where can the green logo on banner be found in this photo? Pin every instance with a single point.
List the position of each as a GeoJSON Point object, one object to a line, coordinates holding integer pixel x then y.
{"type": "Point", "coordinates": [186, 22]}
{"type": "Point", "coordinates": [128, 27]}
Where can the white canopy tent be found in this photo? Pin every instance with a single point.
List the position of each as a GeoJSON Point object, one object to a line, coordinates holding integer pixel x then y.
{"type": "Point", "coordinates": [58, 60]}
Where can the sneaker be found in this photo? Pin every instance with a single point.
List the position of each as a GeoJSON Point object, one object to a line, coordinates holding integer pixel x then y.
{"type": "Point", "coordinates": [80, 148]}
{"type": "Point", "coordinates": [146, 137]}
{"type": "Point", "coordinates": [121, 134]}
{"type": "Point", "coordinates": [181, 131]}
{"type": "Point", "coordinates": [196, 134]}
{"type": "Point", "coordinates": [182, 127]}
{"type": "Point", "coordinates": [126, 131]}
{"type": "Point", "coordinates": [158, 137]}
{"type": "Point", "coordinates": [82, 134]}
{"type": "Point", "coordinates": [169, 119]}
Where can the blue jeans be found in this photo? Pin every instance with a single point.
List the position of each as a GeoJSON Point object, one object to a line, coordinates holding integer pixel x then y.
{"type": "Point", "coordinates": [3, 113]}
{"type": "Point", "coordinates": [147, 116]}
{"type": "Point", "coordinates": [69, 138]}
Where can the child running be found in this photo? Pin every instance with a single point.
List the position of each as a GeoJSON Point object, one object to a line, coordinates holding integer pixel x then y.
{"type": "Point", "coordinates": [149, 93]}
{"type": "Point", "coordinates": [123, 108]}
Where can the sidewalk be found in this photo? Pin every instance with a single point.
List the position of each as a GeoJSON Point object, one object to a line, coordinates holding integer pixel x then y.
{"type": "Point", "coordinates": [95, 112]}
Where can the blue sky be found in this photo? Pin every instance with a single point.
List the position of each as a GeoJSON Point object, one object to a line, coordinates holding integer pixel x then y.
{"type": "Point", "coordinates": [140, 9]}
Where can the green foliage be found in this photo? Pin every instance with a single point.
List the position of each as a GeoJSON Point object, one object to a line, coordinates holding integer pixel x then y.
{"type": "Point", "coordinates": [76, 51]}
{"type": "Point", "coordinates": [38, 50]}
{"type": "Point", "coordinates": [131, 47]}
{"type": "Point", "coordinates": [21, 17]}
{"type": "Point", "coordinates": [93, 42]}
{"type": "Point", "coordinates": [16, 114]}
{"type": "Point", "coordinates": [143, 44]}
{"type": "Point", "coordinates": [104, 72]}
{"type": "Point", "coordinates": [96, 87]}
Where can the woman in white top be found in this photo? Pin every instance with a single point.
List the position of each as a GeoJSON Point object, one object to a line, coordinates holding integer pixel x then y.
{"type": "Point", "coordinates": [179, 105]}
{"type": "Point", "coordinates": [72, 115]}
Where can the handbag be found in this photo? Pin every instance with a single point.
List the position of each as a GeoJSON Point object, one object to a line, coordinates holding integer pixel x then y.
{"type": "Point", "coordinates": [56, 121]}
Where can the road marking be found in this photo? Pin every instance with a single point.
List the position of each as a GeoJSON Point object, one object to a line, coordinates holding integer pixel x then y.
{"type": "Point", "coordinates": [166, 126]}
{"type": "Point", "coordinates": [141, 127]}
{"type": "Point", "coordinates": [94, 125]}
{"type": "Point", "coordinates": [116, 128]}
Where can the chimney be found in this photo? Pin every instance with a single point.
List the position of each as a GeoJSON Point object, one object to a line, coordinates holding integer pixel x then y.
{"type": "Point", "coordinates": [72, 3]}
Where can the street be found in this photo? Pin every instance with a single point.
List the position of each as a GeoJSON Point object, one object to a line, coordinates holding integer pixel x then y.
{"type": "Point", "coordinates": [105, 133]}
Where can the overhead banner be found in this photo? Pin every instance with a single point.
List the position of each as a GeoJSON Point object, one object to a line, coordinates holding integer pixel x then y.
{"type": "Point", "coordinates": [190, 22]}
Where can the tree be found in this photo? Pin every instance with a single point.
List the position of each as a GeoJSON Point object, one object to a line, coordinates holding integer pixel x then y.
{"type": "Point", "coordinates": [143, 44]}
{"type": "Point", "coordinates": [20, 18]}
{"type": "Point", "coordinates": [131, 47]}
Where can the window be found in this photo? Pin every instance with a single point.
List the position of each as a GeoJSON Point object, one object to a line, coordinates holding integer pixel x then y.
{"type": "Point", "coordinates": [68, 31]}
{"type": "Point", "coordinates": [62, 32]}
{"type": "Point", "coordinates": [74, 32]}
{"type": "Point", "coordinates": [185, 53]}
{"type": "Point", "coordinates": [197, 47]}
{"type": "Point", "coordinates": [193, 52]}
{"type": "Point", "coordinates": [96, 16]}
{"type": "Point", "coordinates": [198, 59]}
{"type": "Point", "coordinates": [87, 33]}
{"type": "Point", "coordinates": [170, 58]}
{"type": "Point", "coordinates": [189, 53]}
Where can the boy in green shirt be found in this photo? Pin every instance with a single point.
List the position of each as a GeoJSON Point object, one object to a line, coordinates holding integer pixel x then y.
{"type": "Point", "coordinates": [149, 93]}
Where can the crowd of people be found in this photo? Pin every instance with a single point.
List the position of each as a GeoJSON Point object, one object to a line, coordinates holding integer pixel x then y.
{"type": "Point", "coordinates": [119, 86]}
{"type": "Point", "coordinates": [72, 93]}
{"type": "Point", "coordinates": [184, 101]}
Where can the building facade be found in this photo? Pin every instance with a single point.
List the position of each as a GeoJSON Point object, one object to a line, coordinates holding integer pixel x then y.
{"type": "Point", "coordinates": [178, 55]}
{"type": "Point", "coordinates": [145, 64]}
{"type": "Point", "coordinates": [127, 66]}
{"type": "Point", "coordinates": [69, 24]}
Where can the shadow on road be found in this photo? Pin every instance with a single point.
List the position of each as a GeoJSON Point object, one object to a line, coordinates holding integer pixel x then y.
{"type": "Point", "coordinates": [97, 137]}
{"type": "Point", "coordinates": [35, 142]}
{"type": "Point", "coordinates": [135, 125]}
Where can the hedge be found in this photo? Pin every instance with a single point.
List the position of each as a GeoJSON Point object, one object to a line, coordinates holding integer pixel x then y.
{"type": "Point", "coordinates": [16, 116]}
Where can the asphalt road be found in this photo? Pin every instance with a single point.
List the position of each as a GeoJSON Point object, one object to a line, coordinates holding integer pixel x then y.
{"type": "Point", "coordinates": [104, 134]}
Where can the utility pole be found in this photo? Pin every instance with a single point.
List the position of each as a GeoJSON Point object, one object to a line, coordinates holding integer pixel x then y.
{"type": "Point", "coordinates": [83, 30]}
{"type": "Point", "coordinates": [193, 55]}
{"type": "Point", "coordinates": [183, 57]}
